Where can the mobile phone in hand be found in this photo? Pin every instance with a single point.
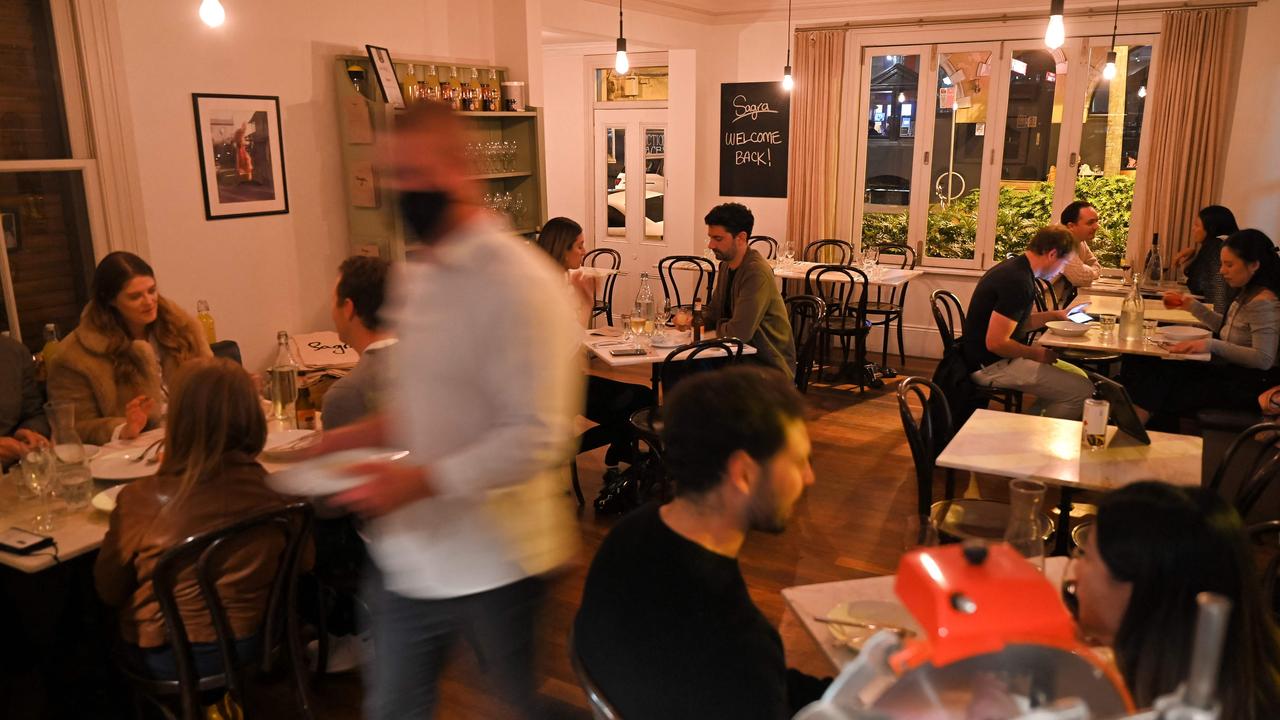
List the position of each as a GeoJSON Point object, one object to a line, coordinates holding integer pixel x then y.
{"type": "Point", "coordinates": [20, 542]}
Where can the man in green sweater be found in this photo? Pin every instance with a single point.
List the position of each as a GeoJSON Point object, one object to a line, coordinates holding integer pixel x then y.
{"type": "Point", "coordinates": [746, 302]}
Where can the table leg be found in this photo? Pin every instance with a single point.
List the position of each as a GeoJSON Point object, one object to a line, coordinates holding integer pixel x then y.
{"type": "Point", "coordinates": [1062, 538]}
{"type": "Point", "coordinates": [656, 379]}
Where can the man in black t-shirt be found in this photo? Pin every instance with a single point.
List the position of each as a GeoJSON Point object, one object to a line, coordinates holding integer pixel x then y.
{"type": "Point", "coordinates": [999, 318]}
{"type": "Point", "coordinates": [666, 628]}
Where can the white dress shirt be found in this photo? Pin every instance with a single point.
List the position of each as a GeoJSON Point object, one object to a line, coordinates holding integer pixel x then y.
{"type": "Point", "coordinates": [483, 395]}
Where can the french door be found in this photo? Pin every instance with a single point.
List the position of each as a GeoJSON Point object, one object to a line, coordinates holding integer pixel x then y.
{"type": "Point", "coordinates": [970, 147]}
{"type": "Point", "coordinates": [630, 191]}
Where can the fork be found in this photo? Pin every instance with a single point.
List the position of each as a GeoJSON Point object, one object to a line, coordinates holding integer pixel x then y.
{"type": "Point", "coordinates": [155, 458]}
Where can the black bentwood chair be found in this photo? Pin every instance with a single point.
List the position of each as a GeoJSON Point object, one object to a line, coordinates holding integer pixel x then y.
{"type": "Point", "coordinates": [673, 267]}
{"type": "Point", "coordinates": [885, 309]}
{"type": "Point", "coordinates": [765, 245]}
{"type": "Point", "coordinates": [610, 259]}
{"type": "Point", "coordinates": [948, 316]}
{"type": "Point", "coordinates": [806, 313]}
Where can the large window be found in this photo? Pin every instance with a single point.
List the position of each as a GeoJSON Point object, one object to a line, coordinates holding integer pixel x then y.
{"type": "Point", "coordinates": [1011, 131]}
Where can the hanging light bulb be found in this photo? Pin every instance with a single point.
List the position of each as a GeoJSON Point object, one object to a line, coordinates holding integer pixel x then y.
{"type": "Point", "coordinates": [787, 81]}
{"type": "Point", "coordinates": [620, 63]}
{"type": "Point", "coordinates": [212, 13]}
{"type": "Point", "coordinates": [1142, 91]}
{"type": "Point", "coordinates": [902, 97]}
{"type": "Point", "coordinates": [946, 80]}
{"type": "Point", "coordinates": [1109, 70]}
{"type": "Point", "coordinates": [1056, 32]}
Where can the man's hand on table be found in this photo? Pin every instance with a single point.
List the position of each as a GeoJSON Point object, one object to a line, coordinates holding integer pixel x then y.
{"type": "Point", "coordinates": [393, 485]}
{"type": "Point", "coordinates": [11, 450]}
{"type": "Point", "coordinates": [30, 438]}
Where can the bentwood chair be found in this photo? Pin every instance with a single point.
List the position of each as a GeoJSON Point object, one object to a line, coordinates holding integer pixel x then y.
{"type": "Point", "coordinates": [806, 313]}
{"type": "Point", "coordinates": [928, 431]}
{"type": "Point", "coordinates": [885, 308]}
{"type": "Point", "coordinates": [610, 259]}
{"type": "Point", "coordinates": [765, 245]}
{"type": "Point", "coordinates": [673, 268]}
{"type": "Point", "coordinates": [284, 533]}
{"type": "Point", "coordinates": [829, 252]}
{"type": "Point", "coordinates": [948, 316]}
{"type": "Point", "coordinates": [1249, 468]}
{"type": "Point", "coordinates": [844, 291]}
{"type": "Point", "coordinates": [601, 708]}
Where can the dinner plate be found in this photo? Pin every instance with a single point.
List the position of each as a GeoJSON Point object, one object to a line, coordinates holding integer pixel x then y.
{"type": "Point", "coordinates": [1067, 328]}
{"type": "Point", "coordinates": [673, 339]}
{"type": "Point", "coordinates": [874, 612]}
{"type": "Point", "coordinates": [279, 439]}
{"type": "Point", "coordinates": [1183, 333]}
{"type": "Point", "coordinates": [106, 500]}
{"type": "Point", "coordinates": [119, 465]}
{"type": "Point", "coordinates": [328, 474]}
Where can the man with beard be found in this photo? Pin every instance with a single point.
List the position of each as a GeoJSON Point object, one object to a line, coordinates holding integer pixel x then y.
{"type": "Point", "coordinates": [746, 303]}
{"type": "Point", "coordinates": [666, 628]}
{"type": "Point", "coordinates": [483, 392]}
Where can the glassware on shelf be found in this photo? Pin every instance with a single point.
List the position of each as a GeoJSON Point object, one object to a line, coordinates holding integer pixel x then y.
{"type": "Point", "coordinates": [430, 87]}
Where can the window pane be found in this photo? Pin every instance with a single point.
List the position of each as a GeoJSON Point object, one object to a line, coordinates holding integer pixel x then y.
{"type": "Point", "coordinates": [891, 125]}
{"type": "Point", "coordinates": [655, 182]}
{"type": "Point", "coordinates": [32, 119]}
{"type": "Point", "coordinates": [642, 83]}
{"type": "Point", "coordinates": [1109, 144]}
{"type": "Point", "coordinates": [1033, 126]}
{"type": "Point", "coordinates": [615, 181]}
{"type": "Point", "coordinates": [960, 127]}
{"type": "Point", "coordinates": [46, 232]}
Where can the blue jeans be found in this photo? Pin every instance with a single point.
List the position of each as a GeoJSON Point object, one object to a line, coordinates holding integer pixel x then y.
{"type": "Point", "coordinates": [412, 638]}
{"type": "Point", "coordinates": [161, 665]}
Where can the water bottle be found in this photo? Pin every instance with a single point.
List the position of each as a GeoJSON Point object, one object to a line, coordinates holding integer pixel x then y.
{"type": "Point", "coordinates": [1153, 268]}
{"type": "Point", "coordinates": [646, 307]}
{"type": "Point", "coordinates": [284, 383]}
{"type": "Point", "coordinates": [1131, 312]}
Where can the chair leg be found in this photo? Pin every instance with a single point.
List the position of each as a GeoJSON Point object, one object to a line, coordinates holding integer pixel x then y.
{"type": "Point", "coordinates": [577, 488]}
{"type": "Point", "coordinates": [902, 350]}
{"type": "Point", "coordinates": [884, 348]}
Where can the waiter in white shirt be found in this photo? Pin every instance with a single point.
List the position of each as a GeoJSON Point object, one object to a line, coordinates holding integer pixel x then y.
{"type": "Point", "coordinates": [483, 394]}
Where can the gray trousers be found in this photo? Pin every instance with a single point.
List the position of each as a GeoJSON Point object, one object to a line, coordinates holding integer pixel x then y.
{"type": "Point", "coordinates": [412, 638]}
{"type": "Point", "coordinates": [1059, 393]}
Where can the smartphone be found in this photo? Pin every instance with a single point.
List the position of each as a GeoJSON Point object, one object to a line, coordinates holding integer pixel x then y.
{"type": "Point", "coordinates": [20, 542]}
{"type": "Point", "coordinates": [628, 352]}
{"type": "Point", "coordinates": [1080, 317]}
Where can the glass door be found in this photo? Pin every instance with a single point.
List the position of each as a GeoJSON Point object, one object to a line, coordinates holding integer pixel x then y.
{"type": "Point", "coordinates": [631, 187]}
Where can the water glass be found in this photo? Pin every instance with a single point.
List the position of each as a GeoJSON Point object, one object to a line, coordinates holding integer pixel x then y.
{"type": "Point", "coordinates": [77, 485]}
{"type": "Point", "coordinates": [1107, 324]}
{"type": "Point", "coordinates": [38, 475]}
{"type": "Point", "coordinates": [1149, 328]}
{"type": "Point", "coordinates": [626, 327]}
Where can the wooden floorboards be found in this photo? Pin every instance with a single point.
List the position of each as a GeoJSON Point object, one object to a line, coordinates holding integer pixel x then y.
{"type": "Point", "coordinates": [848, 525]}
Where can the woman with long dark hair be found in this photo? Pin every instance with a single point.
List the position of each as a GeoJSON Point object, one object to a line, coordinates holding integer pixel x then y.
{"type": "Point", "coordinates": [115, 366]}
{"type": "Point", "coordinates": [610, 403]}
{"type": "Point", "coordinates": [1202, 259]}
{"type": "Point", "coordinates": [1243, 346]}
{"type": "Point", "coordinates": [1153, 548]}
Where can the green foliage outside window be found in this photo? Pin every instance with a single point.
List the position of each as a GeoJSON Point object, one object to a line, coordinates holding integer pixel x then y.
{"type": "Point", "coordinates": [1021, 212]}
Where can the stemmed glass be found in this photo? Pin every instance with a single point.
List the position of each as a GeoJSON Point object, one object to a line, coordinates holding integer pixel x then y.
{"type": "Point", "coordinates": [788, 254]}
{"type": "Point", "coordinates": [38, 475]}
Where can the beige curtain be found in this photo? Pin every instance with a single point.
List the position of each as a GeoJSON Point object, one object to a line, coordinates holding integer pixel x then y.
{"type": "Point", "coordinates": [816, 110]}
{"type": "Point", "coordinates": [1189, 115]}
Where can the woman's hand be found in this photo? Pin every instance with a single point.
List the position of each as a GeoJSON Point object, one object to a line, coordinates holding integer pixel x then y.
{"type": "Point", "coordinates": [1189, 347]}
{"type": "Point", "coordinates": [1175, 300]}
{"type": "Point", "coordinates": [30, 438]}
{"type": "Point", "coordinates": [1184, 255]}
{"type": "Point", "coordinates": [136, 414]}
{"type": "Point", "coordinates": [1269, 401]}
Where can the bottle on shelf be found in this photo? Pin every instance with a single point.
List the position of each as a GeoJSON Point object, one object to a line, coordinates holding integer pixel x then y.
{"type": "Point", "coordinates": [409, 85]}
{"type": "Point", "coordinates": [1131, 312]}
{"type": "Point", "coordinates": [206, 321]}
{"type": "Point", "coordinates": [697, 319]}
{"type": "Point", "coordinates": [646, 308]}
{"type": "Point", "coordinates": [488, 93]}
{"type": "Point", "coordinates": [453, 88]}
{"type": "Point", "coordinates": [1152, 267]}
{"type": "Point", "coordinates": [468, 92]}
{"type": "Point", "coordinates": [284, 382]}
{"type": "Point", "coordinates": [51, 343]}
{"type": "Point", "coordinates": [430, 87]}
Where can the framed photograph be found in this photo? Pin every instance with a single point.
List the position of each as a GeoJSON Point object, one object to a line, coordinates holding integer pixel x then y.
{"type": "Point", "coordinates": [386, 72]}
{"type": "Point", "coordinates": [241, 149]}
{"type": "Point", "coordinates": [9, 228]}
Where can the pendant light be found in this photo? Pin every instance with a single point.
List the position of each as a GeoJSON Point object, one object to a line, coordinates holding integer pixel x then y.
{"type": "Point", "coordinates": [787, 81]}
{"type": "Point", "coordinates": [1055, 33]}
{"type": "Point", "coordinates": [212, 13]}
{"type": "Point", "coordinates": [1142, 91]}
{"type": "Point", "coordinates": [1109, 70]}
{"type": "Point", "coordinates": [621, 64]}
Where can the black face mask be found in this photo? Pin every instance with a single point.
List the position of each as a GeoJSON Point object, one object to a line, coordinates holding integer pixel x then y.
{"type": "Point", "coordinates": [424, 211]}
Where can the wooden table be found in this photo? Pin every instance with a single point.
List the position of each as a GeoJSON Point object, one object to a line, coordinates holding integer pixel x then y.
{"type": "Point", "coordinates": [807, 602]}
{"type": "Point", "coordinates": [1151, 309]}
{"type": "Point", "coordinates": [884, 276]}
{"type": "Point", "coordinates": [600, 342]}
{"type": "Point", "coordinates": [1116, 288]}
{"type": "Point", "coordinates": [1113, 343]}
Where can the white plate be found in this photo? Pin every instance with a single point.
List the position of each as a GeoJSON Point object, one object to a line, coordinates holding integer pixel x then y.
{"type": "Point", "coordinates": [106, 500]}
{"type": "Point", "coordinates": [875, 612]}
{"type": "Point", "coordinates": [1066, 328]}
{"type": "Point", "coordinates": [281, 438]}
{"type": "Point", "coordinates": [327, 475]}
{"type": "Point", "coordinates": [673, 339]}
{"type": "Point", "coordinates": [1183, 333]}
{"type": "Point", "coordinates": [118, 465]}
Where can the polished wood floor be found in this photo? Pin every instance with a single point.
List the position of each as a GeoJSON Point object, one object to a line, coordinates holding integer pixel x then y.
{"type": "Point", "coordinates": [848, 525]}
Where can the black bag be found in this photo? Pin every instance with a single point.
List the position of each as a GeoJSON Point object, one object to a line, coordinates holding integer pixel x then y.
{"type": "Point", "coordinates": [952, 376]}
{"type": "Point", "coordinates": [629, 489]}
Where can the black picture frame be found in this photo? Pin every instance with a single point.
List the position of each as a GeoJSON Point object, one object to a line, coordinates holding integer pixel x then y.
{"type": "Point", "coordinates": [242, 170]}
{"type": "Point", "coordinates": [384, 70]}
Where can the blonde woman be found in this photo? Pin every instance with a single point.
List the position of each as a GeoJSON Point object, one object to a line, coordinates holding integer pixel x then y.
{"type": "Point", "coordinates": [209, 479]}
{"type": "Point", "coordinates": [115, 366]}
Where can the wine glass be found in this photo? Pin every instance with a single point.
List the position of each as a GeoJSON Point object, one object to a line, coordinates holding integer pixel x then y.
{"type": "Point", "coordinates": [788, 254]}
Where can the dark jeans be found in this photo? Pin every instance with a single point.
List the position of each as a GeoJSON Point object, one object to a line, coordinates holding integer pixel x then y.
{"type": "Point", "coordinates": [412, 638]}
{"type": "Point", "coordinates": [611, 403]}
{"type": "Point", "coordinates": [160, 664]}
{"type": "Point", "coordinates": [1179, 388]}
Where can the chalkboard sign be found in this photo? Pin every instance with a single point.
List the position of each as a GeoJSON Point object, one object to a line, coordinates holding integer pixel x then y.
{"type": "Point", "coordinates": [754, 127]}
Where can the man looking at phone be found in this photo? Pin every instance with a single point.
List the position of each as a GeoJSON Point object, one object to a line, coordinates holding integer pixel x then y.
{"type": "Point", "coordinates": [1000, 317]}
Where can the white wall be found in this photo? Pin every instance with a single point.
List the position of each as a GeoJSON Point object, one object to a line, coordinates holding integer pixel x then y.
{"type": "Point", "coordinates": [1252, 184]}
{"type": "Point", "coordinates": [276, 272]}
